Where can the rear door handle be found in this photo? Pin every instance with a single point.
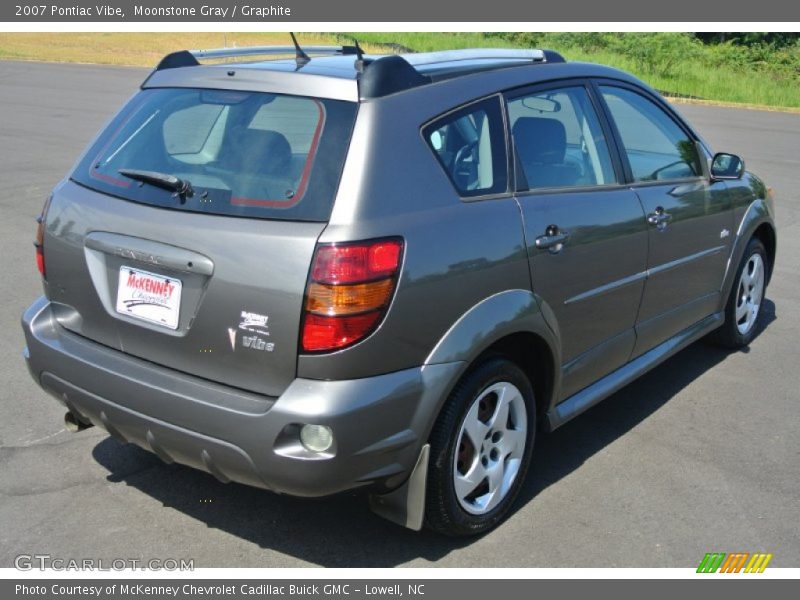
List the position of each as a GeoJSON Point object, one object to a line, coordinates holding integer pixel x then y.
{"type": "Point", "coordinates": [553, 240]}
{"type": "Point", "coordinates": [659, 218]}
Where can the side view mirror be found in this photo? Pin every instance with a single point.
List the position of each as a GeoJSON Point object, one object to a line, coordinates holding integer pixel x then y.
{"type": "Point", "coordinates": [727, 166]}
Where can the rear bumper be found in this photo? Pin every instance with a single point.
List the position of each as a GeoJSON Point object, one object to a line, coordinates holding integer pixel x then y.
{"type": "Point", "coordinates": [379, 423]}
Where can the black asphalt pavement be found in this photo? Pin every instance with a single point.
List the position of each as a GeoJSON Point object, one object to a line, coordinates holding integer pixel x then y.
{"type": "Point", "coordinates": [700, 455]}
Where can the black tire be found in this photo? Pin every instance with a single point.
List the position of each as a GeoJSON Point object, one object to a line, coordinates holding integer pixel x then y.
{"type": "Point", "coordinates": [729, 335]}
{"type": "Point", "coordinates": [443, 511]}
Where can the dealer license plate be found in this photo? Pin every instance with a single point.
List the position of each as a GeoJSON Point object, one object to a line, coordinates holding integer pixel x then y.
{"type": "Point", "coordinates": [149, 297]}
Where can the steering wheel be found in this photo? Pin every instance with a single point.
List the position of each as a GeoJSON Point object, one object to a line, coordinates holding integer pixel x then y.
{"type": "Point", "coordinates": [466, 151]}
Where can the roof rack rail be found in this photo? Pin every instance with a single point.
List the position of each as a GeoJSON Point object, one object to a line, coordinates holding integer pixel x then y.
{"type": "Point", "coordinates": [381, 75]}
{"type": "Point", "coordinates": [271, 50]}
{"type": "Point", "coordinates": [386, 75]}
{"type": "Point", "coordinates": [189, 58]}
{"type": "Point", "coordinates": [432, 58]}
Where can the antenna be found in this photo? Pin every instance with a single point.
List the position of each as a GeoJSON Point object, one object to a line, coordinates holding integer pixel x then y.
{"type": "Point", "coordinates": [300, 57]}
{"type": "Point", "coordinates": [359, 64]}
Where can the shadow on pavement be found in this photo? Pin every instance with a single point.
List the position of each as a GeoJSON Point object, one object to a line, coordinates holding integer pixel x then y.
{"type": "Point", "coordinates": [567, 448]}
{"type": "Point", "coordinates": [340, 531]}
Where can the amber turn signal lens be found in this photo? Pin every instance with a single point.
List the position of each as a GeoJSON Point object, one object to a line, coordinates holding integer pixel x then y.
{"type": "Point", "coordinates": [335, 300]}
{"type": "Point", "coordinates": [349, 291]}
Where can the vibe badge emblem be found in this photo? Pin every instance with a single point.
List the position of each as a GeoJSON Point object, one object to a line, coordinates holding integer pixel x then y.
{"type": "Point", "coordinates": [256, 343]}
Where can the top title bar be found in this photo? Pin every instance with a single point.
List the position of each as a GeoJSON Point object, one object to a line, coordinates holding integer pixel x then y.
{"type": "Point", "coordinates": [455, 11]}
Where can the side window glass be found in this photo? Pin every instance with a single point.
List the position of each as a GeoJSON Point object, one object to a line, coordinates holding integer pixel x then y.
{"type": "Point", "coordinates": [558, 140]}
{"type": "Point", "coordinates": [657, 148]}
{"type": "Point", "coordinates": [470, 145]}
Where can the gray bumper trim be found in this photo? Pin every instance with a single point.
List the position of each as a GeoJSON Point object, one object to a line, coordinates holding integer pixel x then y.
{"type": "Point", "coordinates": [379, 423]}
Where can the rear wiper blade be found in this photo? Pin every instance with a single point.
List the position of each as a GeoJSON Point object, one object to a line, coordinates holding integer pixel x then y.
{"type": "Point", "coordinates": [181, 187]}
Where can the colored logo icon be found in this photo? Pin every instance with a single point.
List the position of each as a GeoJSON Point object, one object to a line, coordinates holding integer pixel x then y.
{"type": "Point", "coordinates": [735, 562]}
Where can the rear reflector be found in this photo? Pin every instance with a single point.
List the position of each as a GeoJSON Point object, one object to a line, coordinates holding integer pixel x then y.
{"type": "Point", "coordinates": [40, 260]}
{"type": "Point", "coordinates": [39, 243]}
{"type": "Point", "coordinates": [331, 333]}
{"type": "Point", "coordinates": [349, 291]}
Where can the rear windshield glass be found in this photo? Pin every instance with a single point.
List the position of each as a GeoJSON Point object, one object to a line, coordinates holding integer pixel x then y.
{"type": "Point", "coordinates": [249, 154]}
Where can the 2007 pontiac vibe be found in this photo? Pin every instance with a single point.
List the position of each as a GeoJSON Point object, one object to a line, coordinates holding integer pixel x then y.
{"type": "Point", "coordinates": [340, 271]}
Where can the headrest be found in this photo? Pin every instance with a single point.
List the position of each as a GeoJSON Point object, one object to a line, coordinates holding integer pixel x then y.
{"type": "Point", "coordinates": [540, 140]}
{"type": "Point", "coordinates": [264, 150]}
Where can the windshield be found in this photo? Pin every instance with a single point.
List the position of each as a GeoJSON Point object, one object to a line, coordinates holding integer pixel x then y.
{"type": "Point", "coordinates": [243, 153]}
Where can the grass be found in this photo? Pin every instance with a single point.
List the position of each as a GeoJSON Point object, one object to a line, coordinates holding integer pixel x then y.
{"type": "Point", "coordinates": [753, 86]}
{"type": "Point", "coordinates": [692, 78]}
{"type": "Point", "coordinates": [421, 41]}
{"type": "Point", "coordinates": [131, 49]}
{"type": "Point", "coordinates": [430, 42]}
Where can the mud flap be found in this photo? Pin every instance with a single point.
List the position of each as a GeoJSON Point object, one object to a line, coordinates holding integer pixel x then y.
{"type": "Point", "coordinates": [406, 505]}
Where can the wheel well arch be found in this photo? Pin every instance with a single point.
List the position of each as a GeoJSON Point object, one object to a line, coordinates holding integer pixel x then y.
{"type": "Point", "coordinates": [533, 355]}
{"type": "Point", "coordinates": [766, 234]}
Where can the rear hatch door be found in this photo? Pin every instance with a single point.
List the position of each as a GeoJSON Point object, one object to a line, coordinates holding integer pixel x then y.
{"type": "Point", "coordinates": [207, 275]}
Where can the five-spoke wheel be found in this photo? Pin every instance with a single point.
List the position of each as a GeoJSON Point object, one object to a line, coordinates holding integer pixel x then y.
{"type": "Point", "coordinates": [490, 448]}
{"type": "Point", "coordinates": [744, 304]}
{"type": "Point", "coordinates": [481, 447]}
{"type": "Point", "coordinates": [750, 293]}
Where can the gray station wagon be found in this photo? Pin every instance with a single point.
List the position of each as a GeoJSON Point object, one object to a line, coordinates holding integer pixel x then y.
{"type": "Point", "coordinates": [312, 275]}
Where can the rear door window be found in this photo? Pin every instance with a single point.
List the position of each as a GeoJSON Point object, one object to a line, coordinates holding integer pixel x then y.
{"type": "Point", "coordinates": [471, 147]}
{"type": "Point", "coordinates": [558, 140]}
{"type": "Point", "coordinates": [244, 153]}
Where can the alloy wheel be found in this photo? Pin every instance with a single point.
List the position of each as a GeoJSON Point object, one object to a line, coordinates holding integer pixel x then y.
{"type": "Point", "coordinates": [750, 293]}
{"type": "Point", "coordinates": [490, 448]}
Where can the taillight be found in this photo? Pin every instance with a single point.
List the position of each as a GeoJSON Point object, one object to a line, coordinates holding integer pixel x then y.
{"type": "Point", "coordinates": [348, 292]}
{"type": "Point", "coordinates": [39, 243]}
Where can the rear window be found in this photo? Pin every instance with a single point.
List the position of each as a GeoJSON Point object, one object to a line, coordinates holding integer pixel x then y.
{"type": "Point", "coordinates": [247, 154]}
